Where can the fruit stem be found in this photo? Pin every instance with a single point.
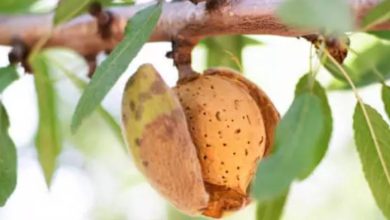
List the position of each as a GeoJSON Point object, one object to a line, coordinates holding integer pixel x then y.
{"type": "Point", "coordinates": [181, 55]}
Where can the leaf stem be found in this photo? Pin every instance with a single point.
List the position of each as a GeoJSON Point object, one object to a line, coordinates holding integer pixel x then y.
{"type": "Point", "coordinates": [369, 123]}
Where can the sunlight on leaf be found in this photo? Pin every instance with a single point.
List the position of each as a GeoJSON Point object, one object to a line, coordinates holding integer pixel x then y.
{"type": "Point", "coordinates": [372, 137]}
{"type": "Point", "coordinates": [48, 140]}
{"type": "Point", "coordinates": [8, 159]}
{"type": "Point", "coordinates": [138, 31]}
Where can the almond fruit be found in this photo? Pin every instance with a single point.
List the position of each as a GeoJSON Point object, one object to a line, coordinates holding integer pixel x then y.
{"type": "Point", "coordinates": [199, 143]}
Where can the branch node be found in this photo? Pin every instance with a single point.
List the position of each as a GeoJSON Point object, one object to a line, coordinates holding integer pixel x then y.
{"type": "Point", "coordinates": [104, 19]}
{"type": "Point", "coordinates": [337, 47]}
{"type": "Point", "coordinates": [92, 64]}
{"type": "Point", "coordinates": [181, 55]}
{"type": "Point", "coordinates": [19, 53]}
{"type": "Point", "coordinates": [212, 5]}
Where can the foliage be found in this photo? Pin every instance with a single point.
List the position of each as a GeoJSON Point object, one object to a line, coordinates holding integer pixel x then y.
{"type": "Point", "coordinates": [137, 33]}
{"type": "Point", "coordinates": [303, 135]}
{"type": "Point", "coordinates": [300, 143]}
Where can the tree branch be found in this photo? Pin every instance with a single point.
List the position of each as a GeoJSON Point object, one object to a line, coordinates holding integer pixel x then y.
{"type": "Point", "coordinates": [178, 19]}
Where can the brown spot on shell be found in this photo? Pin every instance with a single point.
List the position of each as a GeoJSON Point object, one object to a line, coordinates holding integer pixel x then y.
{"type": "Point", "coordinates": [145, 163]}
{"type": "Point", "coordinates": [157, 87]}
{"type": "Point", "coordinates": [132, 105]}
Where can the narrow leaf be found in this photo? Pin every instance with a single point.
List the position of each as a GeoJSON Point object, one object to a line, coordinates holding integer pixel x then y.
{"type": "Point", "coordinates": [372, 137]}
{"type": "Point", "coordinates": [330, 16]}
{"type": "Point", "coordinates": [296, 140]}
{"type": "Point", "coordinates": [68, 9]}
{"type": "Point", "coordinates": [7, 76]}
{"type": "Point", "coordinates": [138, 32]}
{"type": "Point", "coordinates": [271, 210]}
{"type": "Point", "coordinates": [13, 6]}
{"type": "Point", "coordinates": [8, 159]}
{"type": "Point", "coordinates": [48, 142]}
{"type": "Point", "coordinates": [379, 14]}
{"type": "Point", "coordinates": [55, 56]}
{"type": "Point", "coordinates": [386, 98]}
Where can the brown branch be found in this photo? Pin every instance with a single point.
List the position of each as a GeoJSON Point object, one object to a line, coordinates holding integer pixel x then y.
{"type": "Point", "coordinates": [182, 19]}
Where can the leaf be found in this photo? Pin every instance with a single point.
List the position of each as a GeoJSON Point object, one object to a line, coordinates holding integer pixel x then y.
{"type": "Point", "coordinates": [55, 56]}
{"type": "Point", "coordinates": [330, 16]}
{"type": "Point", "coordinates": [384, 35]}
{"type": "Point", "coordinates": [379, 14]}
{"type": "Point", "coordinates": [386, 99]}
{"type": "Point", "coordinates": [174, 214]}
{"type": "Point", "coordinates": [227, 50]}
{"type": "Point", "coordinates": [8, 159]}
{"type": "Point", "coordinates": [371, 65]}
{"type": "Point", "coordinates": [372, 137]}
{"type": "Point", "coordinates": [15, 6]}
{"type": "Point", "coordinates": [68, 9]}
{"type": "Point", "coordinates": [7, 76]}
{"type": "Point", "coordinates": [271, 210]}
{"type": "Point", "coordinates": [48, 140]}
{"type": "Point", "coordinates": [297, 136]}
{"type": "Point", "coordinates": [305, 86]}
{"type": "Point", "coordinates": [138, 31]}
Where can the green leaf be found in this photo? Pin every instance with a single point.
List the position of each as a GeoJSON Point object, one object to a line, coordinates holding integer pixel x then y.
{"type": "Point", "coordinates": [297, 137]}
{"type": "Point", "coordinates": [54, 55]}
{"type": "Point", "coordinates": [15, 6]}
{"type": "Point", "coordinates": [8, 159]}
{"type": "Point", "coordinates": [7, 76]}
{"type": "Point", "coordinates": [372, 137]}
{"type": "Point", "coordinates": [330, 16]}
{"type": "Point", "coordinates": [174, 214]}
{"type": "Point", "coordinates": [306, 85]}
{"type": "Point", "coordinates": [386, 98]}
{"type": "Point", "coordinates": [68, 9]}
{"type": "Point", "coordinates": [379, 14]}
{"type": "Point", "coordinates": [271, 210]}
{"type": "Point", "coordinates": [138, 31]}
{"type": "Point", "coordinates": [371, 65]}
{"type": "Point", "coordinates": [384, 35]}
{"type": "Point", "coordinates": [48, 141]}
{"type": "Point", "coordinates": [227, 50]}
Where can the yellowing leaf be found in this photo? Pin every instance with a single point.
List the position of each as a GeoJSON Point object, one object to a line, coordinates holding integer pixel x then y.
{"type": "Point", "coordinates": [48, 142]}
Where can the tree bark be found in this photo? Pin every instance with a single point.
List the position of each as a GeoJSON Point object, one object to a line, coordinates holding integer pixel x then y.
{"type": "Point", "coordinates": [179, 19]}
